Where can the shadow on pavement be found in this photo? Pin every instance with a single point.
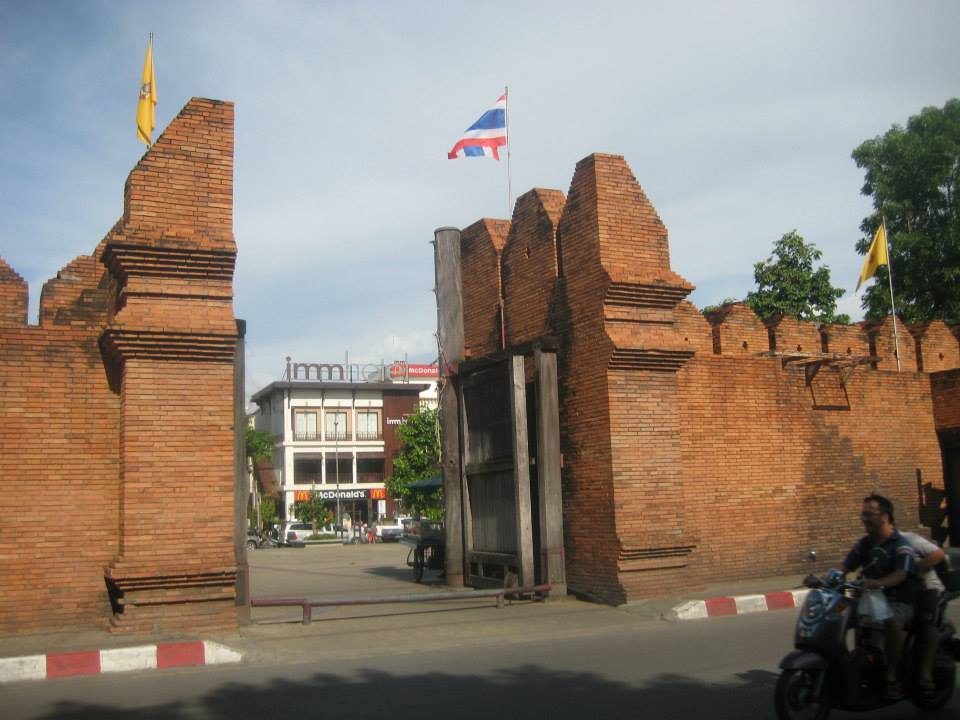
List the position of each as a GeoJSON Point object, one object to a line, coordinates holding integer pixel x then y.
{"type": "Point", "coordinates": [519, 692]}
{"type": "Point", "coordinates": [392, 572]}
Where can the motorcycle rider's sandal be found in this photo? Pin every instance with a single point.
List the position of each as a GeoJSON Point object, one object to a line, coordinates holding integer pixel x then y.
{"type": "Point", "coordinates": [893, 692]}
{"type": "Point", "coordinates": [927, 689]}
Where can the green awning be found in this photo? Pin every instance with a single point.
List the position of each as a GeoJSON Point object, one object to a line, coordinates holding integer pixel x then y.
{"type": "Point", "coordinates": [428, 483]}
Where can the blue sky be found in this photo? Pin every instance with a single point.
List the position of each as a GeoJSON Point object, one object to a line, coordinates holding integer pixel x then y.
{"type": "Point", "coordinates": [738, 119]}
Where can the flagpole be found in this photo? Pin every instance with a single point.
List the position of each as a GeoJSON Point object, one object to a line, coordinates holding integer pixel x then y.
{"type": "Point", "coordinates": [506, 112]}
{"type": "Point", "coordinates": [893, 308]}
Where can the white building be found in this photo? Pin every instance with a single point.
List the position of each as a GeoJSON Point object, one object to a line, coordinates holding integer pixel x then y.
{"type": "Point", "coordinates": [336, 438]}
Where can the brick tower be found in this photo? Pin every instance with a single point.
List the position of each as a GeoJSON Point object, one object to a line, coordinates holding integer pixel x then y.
{"type": "Point", "coordinates": [171, 338]}
{"type": "Point", "coordinates": [623, 487]}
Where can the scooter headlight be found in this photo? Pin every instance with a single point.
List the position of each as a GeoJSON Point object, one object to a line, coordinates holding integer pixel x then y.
{"type": "Point", "coordinates": [814, 607]}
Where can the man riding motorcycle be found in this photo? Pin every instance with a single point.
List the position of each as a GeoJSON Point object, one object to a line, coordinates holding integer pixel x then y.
{"type": "Point", "coordinates": [889, 563]}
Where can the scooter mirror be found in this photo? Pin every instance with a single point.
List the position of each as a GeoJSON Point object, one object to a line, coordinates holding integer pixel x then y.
{"type": "Point", "coordinates": [812, 556]}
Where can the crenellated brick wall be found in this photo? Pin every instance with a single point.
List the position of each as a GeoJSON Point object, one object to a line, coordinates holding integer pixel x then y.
{"type": "Point", "coordinates": [845, 339]}
{"type": "Point", "coordinates": [480, 248]}
{"type": "Point", "coordinates": [936, 346]}
{"type": "Point", "coordinates": [120, 408]}
{"type": "Point", "coordinates": [738, 331]}
{"type": "Point", "coordinates": [700, 448]}
{"type": "Point", "coordinates": [13, 296]}
{"type": "Point", "coordinates": [789, 335]}
{"type": "Point", "coordinates": [529, 264]}
{"type": "Point", "coordinates": [884, 342]}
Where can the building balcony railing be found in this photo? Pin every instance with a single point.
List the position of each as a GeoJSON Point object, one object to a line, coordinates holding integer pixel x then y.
{"type": "Point", "coordinates": [304, 436]}
{"type": "Point", "coordinates": [369, 435]}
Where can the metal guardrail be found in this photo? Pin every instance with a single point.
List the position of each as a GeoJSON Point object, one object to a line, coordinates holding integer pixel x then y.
{"type": "Point", "coordinates": [307, 605]}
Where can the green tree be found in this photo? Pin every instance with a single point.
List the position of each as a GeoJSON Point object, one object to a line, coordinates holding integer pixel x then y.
{"type": "Point", "coordinates": [259, 446]}
{"type": "Point", "coordinates": [913, 176]}
{"type": "Point", "coordinates": [268, 510]}
{"type": "Point", "coordinates": [313, 511]}
{"type": "Point", "coordinates": [789, 284]}
{"type": "Point", "coordinates": [419, 458]}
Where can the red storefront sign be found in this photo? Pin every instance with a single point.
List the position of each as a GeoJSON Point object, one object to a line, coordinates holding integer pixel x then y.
{"type": "Point", "coordinates": [342, 494]}
{"type": "Point", "coordinates": [414, 371]}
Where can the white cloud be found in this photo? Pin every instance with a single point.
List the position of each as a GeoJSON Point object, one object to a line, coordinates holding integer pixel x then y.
{"type": "Point", "coordinates": [737, 118]}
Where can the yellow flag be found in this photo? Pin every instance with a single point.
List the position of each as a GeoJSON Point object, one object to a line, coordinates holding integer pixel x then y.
{"type": "Point", "coordinates": [148, 98]}
{"type": "Point", "coordinates": [876, 256]}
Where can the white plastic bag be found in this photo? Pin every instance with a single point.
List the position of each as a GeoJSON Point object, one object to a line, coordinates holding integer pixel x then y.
{"type": "Point", "coordinates": [874, 607]}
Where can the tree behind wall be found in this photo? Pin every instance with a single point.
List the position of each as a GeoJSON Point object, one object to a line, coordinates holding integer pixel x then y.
{"type": "Point", "coordinates": [313, 511]}
{"type": "Point", "coordinates": [259, 446]}
{"type": "Point", "coordinates": [790, 285]}
{"type": "Point", "coordinates": [913, 176]}
{"type": "Point", "coordinates": [419, 458]}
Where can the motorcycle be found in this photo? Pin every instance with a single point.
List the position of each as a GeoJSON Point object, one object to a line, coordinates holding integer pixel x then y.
{"type": "Point", "coordinates": [257, 539]}
{"type": "Point", "coordinates": [823, 672]}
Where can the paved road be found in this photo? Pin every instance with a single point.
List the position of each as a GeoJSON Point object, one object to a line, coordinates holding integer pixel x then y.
{"type": "Point", "coordinates": [720, 668]}
{"type": "Point", "coordinates": [463, 659]}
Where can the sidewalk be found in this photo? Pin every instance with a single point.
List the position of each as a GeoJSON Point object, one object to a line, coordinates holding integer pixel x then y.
{"type": "Point", "coordinates": [438, 624]}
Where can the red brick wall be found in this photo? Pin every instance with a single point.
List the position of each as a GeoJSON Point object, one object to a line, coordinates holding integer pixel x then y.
{"type": "Point", "coordinates": [59, 490]}
{"type": "Point", "coordinates": [73, 297]}
{"type": "Point", "coordinates": [881, 334]}
{"type": "Point", "coordinates": [738, 331]}
{"type": "Point", "coordinates": [119, 408]}
{"type": "Point", "coordinates": [529, 265]}
{"type": "Point", "coordinates": [771, 471]}
{"type": "Point", "coordinates": [693, 327]}
{"type": "Point", "coordinates": [480, 247]}
{"type": "Point", "coordinates": [788, 335]}
{"type": "Point", "coordinates": [945, 387]}
{"type": "Point", "coordinates": [623, 515]}
{"type": "Point", "coordinates": [13, 296]}
{"type": "Point", "coordinates": [590, 538]}
{"type": "Point", "coordinates": [845, 340]}
{"type": "Point", "coordinates": [936, 346]}
{"type": "Point", "coordinates": [688, 455]}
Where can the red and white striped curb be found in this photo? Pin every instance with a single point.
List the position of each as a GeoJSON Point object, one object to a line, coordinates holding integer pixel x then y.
{"type": "Point", "coordinates": [93, 662]}
{"type": "Point", "coordinates": [740, 605]}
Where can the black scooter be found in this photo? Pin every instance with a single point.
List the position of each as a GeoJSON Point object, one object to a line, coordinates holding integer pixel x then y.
{"type": "Point", "coordinates": [824, 673]}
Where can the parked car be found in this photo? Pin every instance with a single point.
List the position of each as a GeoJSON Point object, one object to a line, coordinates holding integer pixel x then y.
{"type": "Point", "coordinates": [391, 530]}
{"type": "Point", "coordinates": [298, 531]}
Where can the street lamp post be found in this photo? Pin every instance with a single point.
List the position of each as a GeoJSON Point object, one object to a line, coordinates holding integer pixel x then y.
{"type": "Point", "coordinates": [336, 461]}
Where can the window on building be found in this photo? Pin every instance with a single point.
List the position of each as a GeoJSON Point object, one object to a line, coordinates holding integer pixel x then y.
{"type": "Point", "coordinates": [305, 425]}
{"type": "Point", "coordinates": [368, 425]}
{"type": "Point", "coordinates": [336, 425]}
{"type": "Point", "coordinates": [339, 471]}
{"type": "Point", "coordinates": [306, 471]}
{"type": "Point", "coordinates": [370, 470]}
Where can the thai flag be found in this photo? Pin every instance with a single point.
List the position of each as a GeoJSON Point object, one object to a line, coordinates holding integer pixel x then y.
{"type": "Point", "coordinates": [486, 135]}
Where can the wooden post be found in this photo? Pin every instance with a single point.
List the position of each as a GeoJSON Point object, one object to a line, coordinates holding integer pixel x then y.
{"type": "Point", "coordinates": [552, 562]}
{"type": "Point", "coordinates": [453, 505]}
{"type": "Point", "coordinates": [241, 481]}
{"type": "Point", "coordinates": [446, 262]}
{"type": "Point", "coordinates": [521, 471]}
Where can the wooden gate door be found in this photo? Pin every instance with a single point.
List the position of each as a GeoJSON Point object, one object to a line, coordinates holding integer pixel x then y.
{"type": "Point", "coordinates": [498, 536]}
